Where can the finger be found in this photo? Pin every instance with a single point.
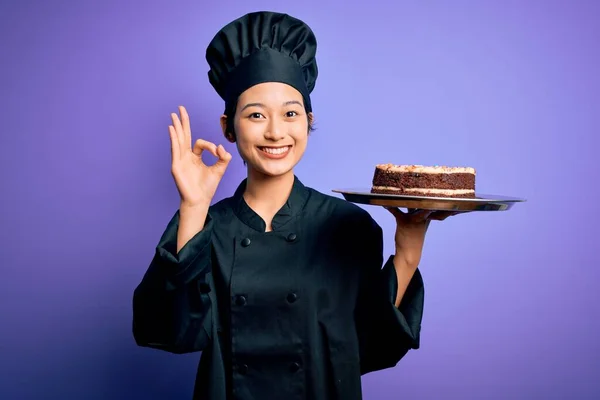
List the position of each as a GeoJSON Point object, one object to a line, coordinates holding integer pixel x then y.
{"type": "Point", "coordinates": [396, 212]}
{"type": "Point", "coordinates": [178, 131]}
{"type": "Point", "coordinates": [200, 145]}
{"type": "Point", "coordinates": [185, 122]}
{"type": "Point", "coordinates": [442, 215]}
{"type": "Point", "coordinates": [175, 154]}
{"type": "Point", "coordinates": [224, 156]}
{"type": "Point", "coordinates": [419, 215]}
{"type": "Point", "coordinates": [177, 124]}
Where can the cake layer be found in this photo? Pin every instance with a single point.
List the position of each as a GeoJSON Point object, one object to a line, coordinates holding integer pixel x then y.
{"type": "Point", "coordinates": [422, 179]}
{"type": "Point", "coordinates": [456, 193]}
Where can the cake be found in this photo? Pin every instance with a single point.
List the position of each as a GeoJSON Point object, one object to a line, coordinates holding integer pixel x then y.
{"type": "Point", "coordinates": [420, 180]}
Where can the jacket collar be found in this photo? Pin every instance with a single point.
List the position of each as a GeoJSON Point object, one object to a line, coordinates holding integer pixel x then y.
{"type": "Point", "coordinates": [292, 207]}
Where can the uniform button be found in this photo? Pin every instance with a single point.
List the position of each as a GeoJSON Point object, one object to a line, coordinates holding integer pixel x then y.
{"type": "Point", "coordinates": [240, 300]}
{"type": "Point", "coordinates": [292, 297]}
{"type": "Point", "coordinates": [243, 369]}
{"type": "Point", "coordinates": [291, 237]}
{"type": "Point", "coordinates": [294, 367]}
{"type": "Point", "coordinates": [246, 242]}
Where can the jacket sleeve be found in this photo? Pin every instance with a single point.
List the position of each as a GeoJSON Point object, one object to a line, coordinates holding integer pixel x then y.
{"type": "Point", "coordinates": [386, 332]}
{"type": "Point", "coordinates": [171, 305]}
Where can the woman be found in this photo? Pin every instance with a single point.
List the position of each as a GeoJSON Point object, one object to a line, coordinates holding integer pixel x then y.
{"type": "Point", "coordinates": [281, 287]}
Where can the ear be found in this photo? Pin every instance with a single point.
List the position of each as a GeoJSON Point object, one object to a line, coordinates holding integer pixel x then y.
{"type": "Point", "coordinates": [311, 121]}
{"type": "Point", "coordinates": [228, 135]}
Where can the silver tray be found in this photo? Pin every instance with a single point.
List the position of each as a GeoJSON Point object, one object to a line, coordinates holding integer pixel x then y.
{"type": "Point", "coordinates": [481, 202]}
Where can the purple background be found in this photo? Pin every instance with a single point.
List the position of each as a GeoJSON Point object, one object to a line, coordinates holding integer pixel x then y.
{"type": "Point", "coordinates": [509, 87]}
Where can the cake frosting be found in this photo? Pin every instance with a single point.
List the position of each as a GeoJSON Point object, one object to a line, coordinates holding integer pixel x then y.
{"type": "Point", "coordinates": [436, 169]}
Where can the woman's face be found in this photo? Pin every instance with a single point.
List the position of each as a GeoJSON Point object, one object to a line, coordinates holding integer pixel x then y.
{"type": "Point", "coordinates": [271, 128]}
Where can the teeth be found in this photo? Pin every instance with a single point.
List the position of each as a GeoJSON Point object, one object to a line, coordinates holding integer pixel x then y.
{"type": "Point", "coordinates": [279, 150]}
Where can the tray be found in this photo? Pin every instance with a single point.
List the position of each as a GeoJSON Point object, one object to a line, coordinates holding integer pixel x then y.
{"type": "Point", "coordinates": [481, 202]}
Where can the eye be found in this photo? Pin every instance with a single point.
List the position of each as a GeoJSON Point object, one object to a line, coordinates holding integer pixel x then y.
{"type": "Point", "coordinates": [255, 115]}
{"type": "Point", "coordinates": [291, 114]}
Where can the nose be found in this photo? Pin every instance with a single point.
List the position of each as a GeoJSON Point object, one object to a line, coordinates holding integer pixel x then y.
{"type": "Point", "coordinates": [275, 130]}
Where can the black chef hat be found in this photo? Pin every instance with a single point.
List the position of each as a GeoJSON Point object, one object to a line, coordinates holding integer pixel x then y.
{"type": "Point", "coordinates": [262, 47]}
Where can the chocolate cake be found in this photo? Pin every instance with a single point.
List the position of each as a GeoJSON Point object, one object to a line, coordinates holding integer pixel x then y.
{"type": "Point", "coordinates": [420, 180]}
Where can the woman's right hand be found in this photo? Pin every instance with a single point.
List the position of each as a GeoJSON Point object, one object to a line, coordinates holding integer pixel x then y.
{"type": "Point", "coordinates": [196, 182]}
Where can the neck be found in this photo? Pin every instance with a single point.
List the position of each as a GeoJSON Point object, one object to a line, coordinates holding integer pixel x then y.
{"type": "Point", "coordinates": [267, 194]}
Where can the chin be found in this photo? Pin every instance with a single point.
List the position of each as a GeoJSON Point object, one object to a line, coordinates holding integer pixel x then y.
{"type": "Point", "coordinates": [274, 171]}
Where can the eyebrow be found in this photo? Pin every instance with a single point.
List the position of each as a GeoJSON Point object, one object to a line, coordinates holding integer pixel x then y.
{"type": "Point", "coordinates": [287, 103]}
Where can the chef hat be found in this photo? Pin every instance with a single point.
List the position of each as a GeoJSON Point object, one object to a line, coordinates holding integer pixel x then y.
{"type": "Point", "coordinates": [262, 47]}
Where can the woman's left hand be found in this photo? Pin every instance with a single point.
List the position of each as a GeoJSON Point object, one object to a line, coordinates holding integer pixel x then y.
{"type": "Point", "coordinates": [411, 228]}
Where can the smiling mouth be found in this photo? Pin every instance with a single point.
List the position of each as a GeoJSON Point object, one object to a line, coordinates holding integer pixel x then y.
{"type": "Point", "coordinates": [275, 150]}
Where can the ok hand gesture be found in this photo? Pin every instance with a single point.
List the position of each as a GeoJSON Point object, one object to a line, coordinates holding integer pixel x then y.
{"type": "Point", "coordinates": [196, 182]}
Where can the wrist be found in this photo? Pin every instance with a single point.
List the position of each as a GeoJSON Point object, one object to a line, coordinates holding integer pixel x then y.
{"type": "Point", "coordinates": [193, 207]}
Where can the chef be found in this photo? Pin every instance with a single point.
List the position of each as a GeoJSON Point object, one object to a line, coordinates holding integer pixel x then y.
{"type": "Point", "coordinates": [284, 290]}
